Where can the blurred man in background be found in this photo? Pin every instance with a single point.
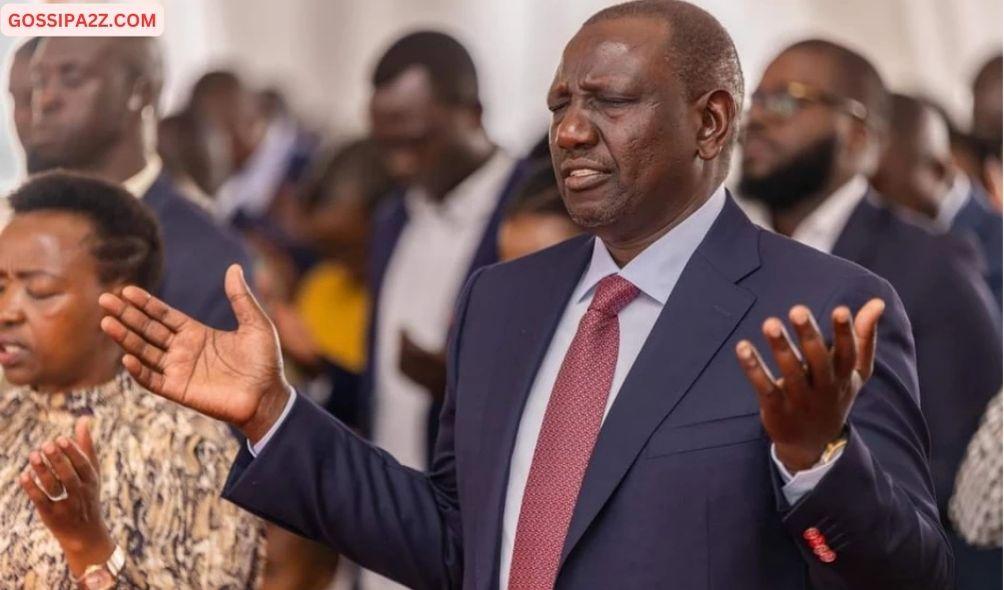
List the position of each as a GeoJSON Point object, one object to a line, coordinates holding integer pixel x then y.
{"type": "Point", "coordinates": [19, 89]}
{"type": "Point", "coordinates": [425, 114]}
{"type": "Point", "coordinates": [988, 88]}
{"type": "Point", "coordinates": [89, 96]}
{"type": "Point", "coordinates": [917, 173]}
{"type": "Point", "coordinates": [426, 118]}
{"type": "Point", "coordinates": [814, 133]}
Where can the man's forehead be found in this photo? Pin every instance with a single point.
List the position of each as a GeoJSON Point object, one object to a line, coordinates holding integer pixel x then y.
{"type": "Point", "coordinates": [73, 49]}
{"type": "Point", "coordinates": [812, 68]}
{"type": "Point", "coordinates": [408, 94]}
{"type": "Point", "coordinates": [616, 43]}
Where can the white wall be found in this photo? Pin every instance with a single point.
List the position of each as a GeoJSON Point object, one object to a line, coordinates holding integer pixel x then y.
{"type": "Point", "coordinates": [323, 50]}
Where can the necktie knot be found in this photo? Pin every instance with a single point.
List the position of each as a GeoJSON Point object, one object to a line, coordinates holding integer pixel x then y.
{"type": "Point", "coordinates": [613, 293]}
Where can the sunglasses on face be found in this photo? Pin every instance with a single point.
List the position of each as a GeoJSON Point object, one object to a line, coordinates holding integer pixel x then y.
{"type": "Point", "coordinates": [784, 104]}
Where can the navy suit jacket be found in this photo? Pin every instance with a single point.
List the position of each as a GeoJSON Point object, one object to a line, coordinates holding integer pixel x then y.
{"type": "Point", "coordinates": [977, 220]}
{"type": "Point", "coordinates": [680, 491]}
{"type": "Point", "coordinates": [954, 326]}
{"type": "Point", "coordinates": [197, 253]}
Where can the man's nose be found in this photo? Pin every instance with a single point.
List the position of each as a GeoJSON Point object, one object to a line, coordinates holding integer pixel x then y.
{"type": "Point", "coordinates": [45, 97]}
{"type": "Point", "coordinates": [575, 130]}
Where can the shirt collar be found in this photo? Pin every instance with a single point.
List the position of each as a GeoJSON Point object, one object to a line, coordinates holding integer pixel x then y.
{"type": "Point", "coordinates": [140, 183]}
{"type": "Point", "coordinates": [474, 198]}
{"type": "Point", "coordinates": [821, 228]}
{"type": "Point", "coordinates": [658, 268]}
{"type": "Point", "coordinates": [954, 201]}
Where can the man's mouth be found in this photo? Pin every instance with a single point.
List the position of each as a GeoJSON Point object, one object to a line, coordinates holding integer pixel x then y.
{"type": "Point", "coordinates": [583, 178]}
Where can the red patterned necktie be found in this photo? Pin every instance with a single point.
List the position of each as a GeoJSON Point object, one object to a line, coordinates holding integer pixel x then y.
{"type": "Point", "coordinates": [567, 436]}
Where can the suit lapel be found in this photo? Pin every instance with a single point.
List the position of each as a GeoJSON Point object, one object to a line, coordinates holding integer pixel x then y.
{"type": "Point", "coordinates": [704, 309]}
{"type": "Point", "coordinates": [540, 302]}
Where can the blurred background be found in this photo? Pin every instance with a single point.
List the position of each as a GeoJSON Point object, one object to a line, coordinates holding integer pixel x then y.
{"type": "Point", "coordinates": [264, 123]}
{"type": "Point", "coordinates": [320, 53]}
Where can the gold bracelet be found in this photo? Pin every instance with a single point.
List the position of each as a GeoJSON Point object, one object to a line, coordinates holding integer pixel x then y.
{"type": "Point", "coordinates": [833, 448]}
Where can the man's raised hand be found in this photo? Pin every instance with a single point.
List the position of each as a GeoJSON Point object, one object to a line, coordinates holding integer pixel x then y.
{"type": "Point", "coordinates": [807, 407]}
{"type": "Point", "coordinates": [232, 376]}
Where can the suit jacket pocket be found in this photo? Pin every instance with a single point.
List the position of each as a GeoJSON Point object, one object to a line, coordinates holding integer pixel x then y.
{"type": "Point", "coordinates": [709, 434]}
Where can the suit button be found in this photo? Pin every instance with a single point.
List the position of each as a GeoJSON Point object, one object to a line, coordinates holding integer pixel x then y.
{"type": "Point", "coordinates": [821, 549]}
{"type": "Point", "coordinates": [828, 557]}
{"type": "Point", "coordinates": [811, 533]}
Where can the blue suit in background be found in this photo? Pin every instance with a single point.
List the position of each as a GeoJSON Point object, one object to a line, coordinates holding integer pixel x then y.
{"type": "Point", "coordinates": [950, 309]}
{"type": "Point", "coordinates": [957, 334]}
{"type": "Point", "coordinates": [197, 253]}
{"type": "Point", "coordinates": [680, 491]}
{"type": "Point", "coordinates": [978, 220]}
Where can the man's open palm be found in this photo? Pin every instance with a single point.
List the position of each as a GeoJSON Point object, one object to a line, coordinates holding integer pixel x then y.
{"type": "Point", "coordinates": [232, 376]}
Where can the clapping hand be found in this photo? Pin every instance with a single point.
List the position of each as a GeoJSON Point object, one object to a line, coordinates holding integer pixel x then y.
{"type": "Point", "coordinates": [62, 481]}
{"type": "Point", "coordinates": [807, 407]}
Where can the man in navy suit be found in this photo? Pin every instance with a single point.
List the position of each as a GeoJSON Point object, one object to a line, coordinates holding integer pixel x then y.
{"type": "Point", "coordinates": [598, 431]}
{"type": "Point", "coordinates": [814, 133]}
{"type": "Point", "coordinates": [917, 173]}
{"type": "Point", "coordinates": [90, 99]}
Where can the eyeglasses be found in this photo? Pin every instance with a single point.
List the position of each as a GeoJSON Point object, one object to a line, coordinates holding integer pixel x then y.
{"type": "Point", "coordinates": [785, 104]}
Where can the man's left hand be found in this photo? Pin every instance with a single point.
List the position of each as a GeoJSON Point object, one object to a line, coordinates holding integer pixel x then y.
{"type": "Point", "coordinates": [807, 408]}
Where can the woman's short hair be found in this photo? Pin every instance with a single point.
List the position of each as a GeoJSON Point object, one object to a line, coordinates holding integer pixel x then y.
{"type": "Point", "coordinates": [537, 192]}
{"type": "Point", "coordinates": [127, 245]}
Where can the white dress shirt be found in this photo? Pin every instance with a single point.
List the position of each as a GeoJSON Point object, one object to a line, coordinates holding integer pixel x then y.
{"type": "Point", "coordinates": [954, 201]}
{"type": "Point", "coordinates": [821, 228]}
{"type": "Point", "coordinates": [138, 184]}
{"type": "Point", "coordinates": [419, 291]}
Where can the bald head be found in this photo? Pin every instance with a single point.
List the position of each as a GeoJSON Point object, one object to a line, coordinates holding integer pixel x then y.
{"type": "Point", "coordinates": [699, 47]}
{"type": "Point", "coordinates": [916, 170]}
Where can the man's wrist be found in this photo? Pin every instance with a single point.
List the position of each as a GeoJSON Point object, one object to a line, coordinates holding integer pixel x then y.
{"type": "Point", "coordinates": [269, 410]}
{"type": "Point", "coordinates": [797, 458]}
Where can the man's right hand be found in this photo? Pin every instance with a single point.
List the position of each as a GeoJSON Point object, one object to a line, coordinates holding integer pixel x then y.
{"type": "Point", "coordinates": [232, 376]}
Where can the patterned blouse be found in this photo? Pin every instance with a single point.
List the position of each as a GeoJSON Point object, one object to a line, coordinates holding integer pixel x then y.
{"type": "Point", "coordinates": [162, 467]}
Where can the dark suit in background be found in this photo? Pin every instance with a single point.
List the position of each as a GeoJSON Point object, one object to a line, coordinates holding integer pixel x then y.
{"type": "Point", "coordinates": [680, 491]}
{"type": "Point", "coordinates": [958, 343]}
{"type": "Point", "coordinates": [197, 253]}
{"type": "Point", "coordinates": [978, 220]}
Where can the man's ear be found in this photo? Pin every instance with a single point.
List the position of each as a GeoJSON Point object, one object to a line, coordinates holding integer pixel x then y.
{"type": "Point", "coordinates": [719, 114]}
{"type": "Point", "coordinates": [143, 94]}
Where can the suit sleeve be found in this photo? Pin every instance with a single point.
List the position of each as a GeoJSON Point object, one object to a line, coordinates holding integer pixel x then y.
{"type": "Point", "coordinates": [875, 507]}
{"type": "Point", "coordinates": [319, 480]}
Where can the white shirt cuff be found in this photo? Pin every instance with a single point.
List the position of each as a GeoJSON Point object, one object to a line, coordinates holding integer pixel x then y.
{"type": "Point", "coordinates": [801, 483]}
{"type": "Point", "coordinates": [258, 446]}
